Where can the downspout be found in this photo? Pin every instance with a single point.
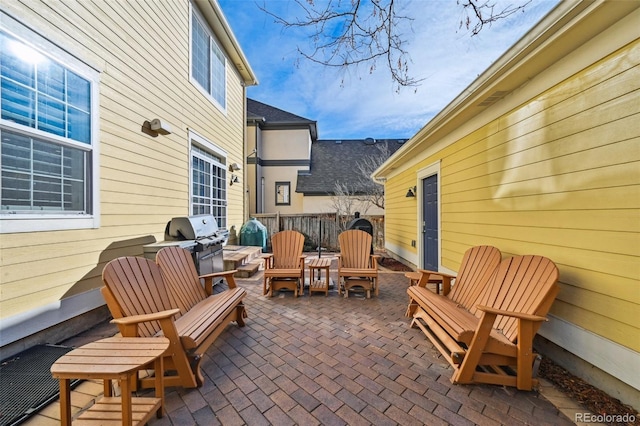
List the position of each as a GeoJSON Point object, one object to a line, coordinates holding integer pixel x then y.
{"type": "Point", "coordinates": [255, 186]}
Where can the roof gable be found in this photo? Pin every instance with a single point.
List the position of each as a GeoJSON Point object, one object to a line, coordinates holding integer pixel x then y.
{"type": "Point", "coordinates": [272, 118]}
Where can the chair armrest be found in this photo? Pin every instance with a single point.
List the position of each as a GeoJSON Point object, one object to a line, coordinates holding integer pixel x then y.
{"type": "Point", "coordinates": [268, 260]}
{"type": "Point", "coordinates": [519, 315]}
{"type": "Point", "coordinates": [374, 260]}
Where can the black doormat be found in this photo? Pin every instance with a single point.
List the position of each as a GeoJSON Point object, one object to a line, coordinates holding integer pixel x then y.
{"type": "Point", "coordinates": [26, 384]}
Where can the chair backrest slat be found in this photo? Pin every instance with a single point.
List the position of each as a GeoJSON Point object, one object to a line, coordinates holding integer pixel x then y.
{"type": "Point", "coordinates": [181, 277]}
{"type": "Point", "coordinates": [287, 247]}
{"type": "Point", "coordinates": [355, 249]}
{"type": "Point", "coordinates": [136, 284]}
{"type": "Point", "coordinates": [524, 284]}
{"type": "Point", "coordinates": [476, 268]}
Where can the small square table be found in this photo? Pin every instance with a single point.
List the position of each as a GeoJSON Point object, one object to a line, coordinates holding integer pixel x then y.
{"type": "Point", "coordinates": [319, 285]}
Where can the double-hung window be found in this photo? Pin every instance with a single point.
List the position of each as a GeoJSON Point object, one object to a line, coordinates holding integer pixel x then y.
{"type": "Point", "coordinates": [208, 62]}
{"type": "Point", "coordinates": [47, 139]}
{"type": "Point", "coordinates": [208, 179]}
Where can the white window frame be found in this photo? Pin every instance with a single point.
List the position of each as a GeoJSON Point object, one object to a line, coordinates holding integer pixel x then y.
{"type": "Point", "coordinates": [203, 143]}
{"type": "Point", "coordinates": [54, 221]}
{"type": "Point", "coordinates": [193, 10]}
{"type": "Point", "coordinates": [286, 194]}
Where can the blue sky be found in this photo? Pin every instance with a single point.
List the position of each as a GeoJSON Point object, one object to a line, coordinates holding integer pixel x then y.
{"type": "Point", "coordinates": [357, 104]}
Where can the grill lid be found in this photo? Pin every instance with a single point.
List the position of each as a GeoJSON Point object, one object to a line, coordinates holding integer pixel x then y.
{"type": "Point", "coordinates": [191, 227]}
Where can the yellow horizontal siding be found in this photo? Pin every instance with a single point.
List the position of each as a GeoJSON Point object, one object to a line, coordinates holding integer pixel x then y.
{"type": "Point", "coordinates": [557, 176]}
{"type": "Point", "coordinates": [627, 335]}
{"type": "Point", "coordinates": [144, 181]}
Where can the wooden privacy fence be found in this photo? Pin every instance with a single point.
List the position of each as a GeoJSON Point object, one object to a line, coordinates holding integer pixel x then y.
{"type": "Point", "coordinates": [320, 229]}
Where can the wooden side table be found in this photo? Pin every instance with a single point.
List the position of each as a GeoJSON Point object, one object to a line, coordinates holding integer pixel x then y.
{"type": "Point", "coordinates": [319, 285]}
{"type": "Point", "coordinates": [438, 280]}
{"type": "Point", "coordinates": [113, 358]}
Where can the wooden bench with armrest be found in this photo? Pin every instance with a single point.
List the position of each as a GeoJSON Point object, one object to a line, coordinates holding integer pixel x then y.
{"type": "Point", "coordinates": [143, 304]}
{"type": "Point", "coordinates": [491, 339]}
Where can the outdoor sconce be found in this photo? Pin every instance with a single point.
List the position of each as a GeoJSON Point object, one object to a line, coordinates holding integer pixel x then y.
{"type": "Point", "coordinates": [234, 167]}
{"type": "Point", "coordinates": [156, 127]}
{"type": "Point", "coordinates": [411, 192]}
{"type": "Point", "coordinates": [234, 179]}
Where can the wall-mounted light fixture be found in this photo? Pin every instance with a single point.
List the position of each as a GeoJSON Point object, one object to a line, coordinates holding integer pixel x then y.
{"type": "Point", "coordinates": [156, 127]}
{"type": "Point", "coordinates": [234, 179]}
{"type": "Point", "coordinates": [411, 192]}
{"type": "Point", "coordinates": [234, 167]}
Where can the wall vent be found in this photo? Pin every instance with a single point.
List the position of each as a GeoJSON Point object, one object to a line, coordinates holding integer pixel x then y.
{"type": "Point", "coordinates": [494, 97]}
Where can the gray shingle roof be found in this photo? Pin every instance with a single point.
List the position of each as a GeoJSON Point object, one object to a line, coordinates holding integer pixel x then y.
{"type": "Point", "coordinates": [335, 161]}
{"type": "Point", "coordinates": [275, 118]}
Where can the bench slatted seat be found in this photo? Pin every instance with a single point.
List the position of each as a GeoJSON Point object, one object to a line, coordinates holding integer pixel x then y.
{"type": "Point", "coordinates": [492, 339]}
{"type": "Point", "coordinates": [142, 303]}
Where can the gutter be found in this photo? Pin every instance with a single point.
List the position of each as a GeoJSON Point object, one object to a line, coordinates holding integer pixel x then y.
{"type": "Point", "coordinates": [215, 16]}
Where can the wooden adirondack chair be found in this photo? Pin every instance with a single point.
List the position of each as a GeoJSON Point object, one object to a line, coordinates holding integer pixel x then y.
{"type": "Point", "coordinates": [142, 304]}
{"type": "Point", "coordinates": [478, 263]}
{"type": "Point", "coordinates": [284, 267]}
{"type": "Point", "coordinates": [357, 267]}
{"type": "Point", "coordinates": [492, 342]}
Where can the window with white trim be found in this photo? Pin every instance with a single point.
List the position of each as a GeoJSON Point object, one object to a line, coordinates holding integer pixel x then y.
{"type": "Point", "coordinates": [208, 62]}
{"type": "Point", "coordinates": [208, 180]}
{"type": "Point", "coordinates": [47, 138]}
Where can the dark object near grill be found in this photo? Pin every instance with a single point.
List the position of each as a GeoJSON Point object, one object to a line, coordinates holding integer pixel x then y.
{"type": "Point", "coordinates": [200, 235]}
{"type": "Point", "coordinates": [363, 225]}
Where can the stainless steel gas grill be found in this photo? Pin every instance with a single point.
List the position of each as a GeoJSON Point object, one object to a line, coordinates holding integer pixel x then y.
{"type": "Point", "coordinates": [200, 235]}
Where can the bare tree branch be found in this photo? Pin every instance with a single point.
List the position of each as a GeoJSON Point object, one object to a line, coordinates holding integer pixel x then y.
{"type": "Point", "coordinates": [481, 13]}
{"type": "Point", "coordinates": [368, 190]}
{"type": "Point", "coordinates": [352, 33]}
{"type": "Point", "coordinates": [345, 202]}
{"type": "Point", "coordinates": [362, 192]}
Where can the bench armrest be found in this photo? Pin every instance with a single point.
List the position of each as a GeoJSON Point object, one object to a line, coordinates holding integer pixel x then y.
{"type": "Point", "coordinates": [129, 325]}
{"type": "Point", "coordinates": [442, 274]}
{"type": "Point", "coordinates": [519, 315]}
{"type": "Point", "coordinates": [227, 275]}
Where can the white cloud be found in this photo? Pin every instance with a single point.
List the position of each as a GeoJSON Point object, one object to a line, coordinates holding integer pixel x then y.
{"type": "Point", "coordinates": [359, 104]}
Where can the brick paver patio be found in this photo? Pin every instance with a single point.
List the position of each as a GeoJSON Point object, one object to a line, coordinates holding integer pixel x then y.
{"type": "Point", "coordinates": [331, 361]}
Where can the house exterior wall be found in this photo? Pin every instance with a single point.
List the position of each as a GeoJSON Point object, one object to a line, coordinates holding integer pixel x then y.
{"type": "Point", "coordinates": [325, 204]}
{"type": "Point", "coordinates": [144, 181]}
{"type": "Point", "coordinates": [552, 169]}
{"type": "Point", "coordinates": [281, 154]}
{"type": "Point", "coordinates": [253, 170]}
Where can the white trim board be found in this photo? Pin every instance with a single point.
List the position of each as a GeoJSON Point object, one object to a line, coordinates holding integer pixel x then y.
{"type": "Point", "coordinates": [27, 323]}
{"type": "Point", "coordinates": [619, 361]}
